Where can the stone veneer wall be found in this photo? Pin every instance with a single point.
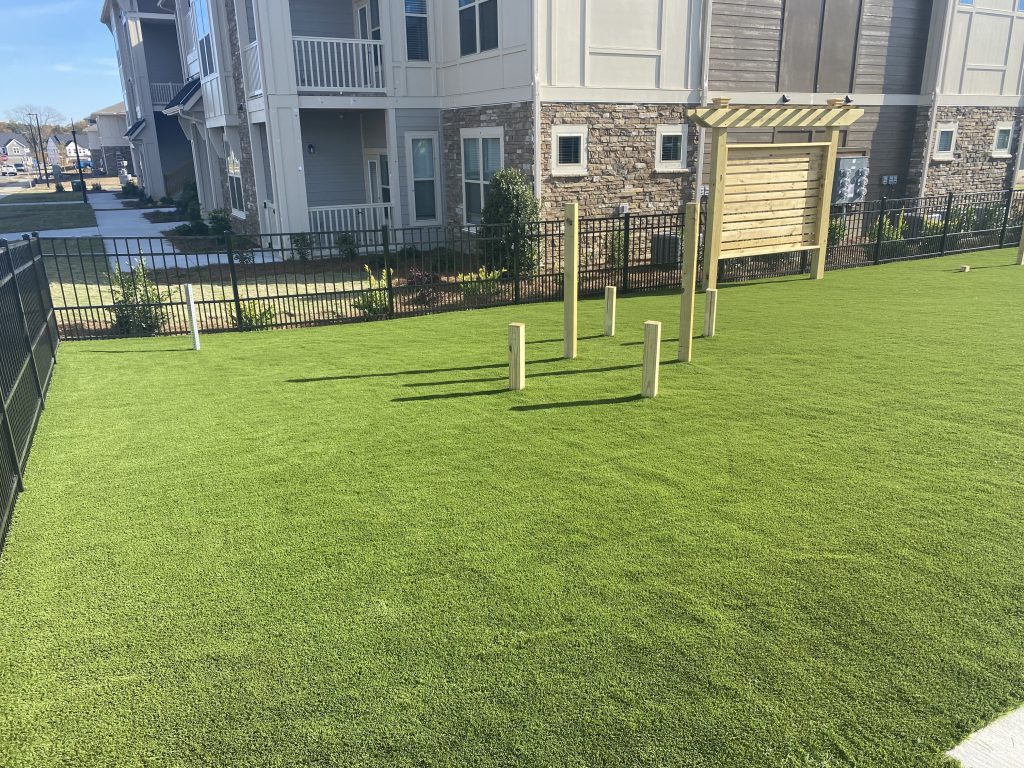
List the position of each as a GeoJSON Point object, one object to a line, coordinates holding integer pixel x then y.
{"type": "Point", "coordinates": [973, 168]}
{"type": "Point", "coordinates": [517, 121]}
{"type": "Point", "coordinates": [620, 160]}
{"type": "Point", "coordinates": [251, 223]}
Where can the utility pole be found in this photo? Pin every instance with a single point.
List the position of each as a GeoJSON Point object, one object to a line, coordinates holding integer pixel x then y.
{"type": "Point", "coordinates": [40, 150]}
{"type": "Point", "coordinates": [78, 163]}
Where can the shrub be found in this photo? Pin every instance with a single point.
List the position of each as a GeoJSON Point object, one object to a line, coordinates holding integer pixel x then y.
{"type": "Point", "coordinates": [302, 246]}
{"type": "Point", "coordinates": [893, 233]}
{"type": "Point", "coordinates": [509, 222]}
{"type": "Point", "coordinates": [187, 203]}
{"type": "Point", "coordinates": [138, 309]}
{"type": "Point", "coordinates": [615, 248]}
{"type": "Point", "coordinates": [254, 317]}
{"type": "Point", "coordinates": [166, 202]}
{"type": "Point", "coordinates": [346, 245]}
{"type": "Point", "coordinates": [218, 222]}
{"type": "Point", "coordinates": [424, 280]}
{"type": "Point", "coordinates": [129, 189]}
{"type": "Point", "coordinates": [242, 247]}
{"type": "Point", "coordinates": [190, 229]}
{"type": "Point", "coordinates": [374, 302]}
{"type": "Point", "coordinates": [480, 287]}
{"type": "Point", "coordinates": [96, 187]}
{"type": "Point", "coordinates": [836, 231]}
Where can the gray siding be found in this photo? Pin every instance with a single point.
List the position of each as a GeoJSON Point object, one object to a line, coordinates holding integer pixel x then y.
{"type": "Point", "coordinates": [322, 18]}
{"type": "Point", "coordinates": [745, 37]}
{"type": "Point", "coordinates": [160, 44]}
{"type": "Point", "coordinates": [334, 175]}
{"type": "Point", "coordinates": [893, 43]}
{"type": "Point", "coordinates": [413, 120]}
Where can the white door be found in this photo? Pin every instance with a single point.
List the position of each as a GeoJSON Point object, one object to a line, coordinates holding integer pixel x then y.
{"type": "Point", "coordinates": [378, 186]}
{"type": "Point", "coordinates": [368, 28]}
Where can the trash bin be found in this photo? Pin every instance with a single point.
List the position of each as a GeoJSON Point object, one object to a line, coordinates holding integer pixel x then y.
{"type": "Point", "coordinates": [76, 185]}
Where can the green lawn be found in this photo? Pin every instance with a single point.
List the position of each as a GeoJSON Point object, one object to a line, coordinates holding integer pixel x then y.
{"type": "Point", "coordinates": [36, 218]}
{"type": "Point", "coordinates": [348, 546]}
{"type": "Point", "coordinates": [40, 195]}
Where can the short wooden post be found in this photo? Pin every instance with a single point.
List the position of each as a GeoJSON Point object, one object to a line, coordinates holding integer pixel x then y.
{"type": "Point", "coordinates": [516, 357]}
{"type": "Point", "coordinates": [710, 312]}
{"type": "Point", "coordinates": [691, 241]}
{"type": "Point", "coordinates": [570, 286]}
{"type": "Point", "coordinates": [1020, 251]}
{"type": "Point", "coordinates": [652, 358]}
{"type": "Point", "coordinates": [193, 324]}
{"type": "Point", "coordinates": [609, 310]}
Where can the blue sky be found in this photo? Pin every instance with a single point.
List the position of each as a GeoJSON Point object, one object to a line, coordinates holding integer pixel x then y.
{"type": "Point", "coordinates": [56, 53]}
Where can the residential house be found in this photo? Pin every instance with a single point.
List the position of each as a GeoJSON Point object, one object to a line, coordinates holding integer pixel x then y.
{"type": "Point", "coordinates": [18, 151]}
{"type": "Point", "coordinates": [107, 141]}
{"type": "Point", "coordinates": [146, 42]}
{"type": "Point", "coordinates": [64, 152]}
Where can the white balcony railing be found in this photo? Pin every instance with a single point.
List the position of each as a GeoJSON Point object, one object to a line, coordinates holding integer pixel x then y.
{"type": "Point", "coordinates": [253, 73]}
{"type": "Point", "coordinates": [162, 93]}
{"type": "Point", "coordinates": [365, 219]}
{"type": "Point", "coordinates": [333, 64]}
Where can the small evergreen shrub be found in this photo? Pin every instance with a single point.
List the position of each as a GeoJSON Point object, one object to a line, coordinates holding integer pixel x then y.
{"type": "Point", "coordinates": [346, 245]}
{"type": "Point", "coordinates": [509, 222]}
{"type": "Point", "coordinates": [138, 309]}
{"type": "Point", "coordinates": [302, 246]}
{"type": "Point", "coordinates": [255, 317]}
{"type": "Point", "coordinates": [373, 302]}
{"type": "Point", "coordinates": [480, 288]}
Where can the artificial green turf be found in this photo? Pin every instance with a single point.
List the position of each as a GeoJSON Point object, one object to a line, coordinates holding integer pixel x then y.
{"type": "Point", "coordinates": [347, 546]}
{"type": "Point", "coordinates": [36, 218]}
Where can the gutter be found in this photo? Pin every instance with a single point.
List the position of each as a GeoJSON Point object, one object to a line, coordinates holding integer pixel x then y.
{"type": "Point", "coordinates": [535, 37]}
{"type": "Point", "coordinates": [940, 71]}
{"type": "Point", "coordinates": [705, 65]}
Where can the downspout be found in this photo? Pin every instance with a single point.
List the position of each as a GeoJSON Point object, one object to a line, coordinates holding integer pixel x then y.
{"type": "Point", "coordinates": [535, 36]}
{"type": "Point", "coordinates": [933, 115]}
{"type": "Point", "coordinates": [705, 65]}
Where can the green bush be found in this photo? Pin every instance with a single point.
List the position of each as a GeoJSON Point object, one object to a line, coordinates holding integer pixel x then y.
{"type": "Point", "coordinates": [893, 233]}
{"type": "Point", "coordinates": [374, 302]}
{"type": "Point", "coordinates": [346, 245]}
{"type": "Point", "coordinates": [302, 246]}
{"type": "Point", "coordinates": [130, 189]}
{"type": "Point", "coordinates": [615, 248]}
{"type": "Point", "coordinates": [218, 222]}
{"type": "Point", "coordinates": [187, 203]}
{"type": "Point", "coordinates": [480, 287]}
{"type": "Point", "coordinates": [836, 231]}
{"type": "Point", "coordinates": [253, 317]}
{"type": "Point", "coordinates": [138, 309]}
{"type": "Point", "coordinates": [190, 229]}
{"type": "Point", "coordinates": [509, 222]}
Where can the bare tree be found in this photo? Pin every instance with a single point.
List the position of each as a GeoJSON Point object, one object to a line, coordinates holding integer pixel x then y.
{"type": "Point", "coordinates": [23, 120]}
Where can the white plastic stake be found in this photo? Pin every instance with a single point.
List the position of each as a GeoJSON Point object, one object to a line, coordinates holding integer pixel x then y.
{"type": "Point", "coordinates": [192, 323]}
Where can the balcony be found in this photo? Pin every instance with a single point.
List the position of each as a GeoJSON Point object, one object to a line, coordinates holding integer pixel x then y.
{"type": "Point", "coordinates": [253, 72]}
{"type": "Point", "coordinates": [351, 218]}
{"type": "Point", "coordinates": [330, 64]}
{"type": "Point", "coordinates": [161, 94]}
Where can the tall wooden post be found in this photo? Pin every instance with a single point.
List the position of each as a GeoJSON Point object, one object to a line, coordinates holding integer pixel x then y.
{"type": "Point", "coordinates": [716, 200]}
{"type": "Point", "coordinates": [193, 324]}
{"type": "Point", "coordinates": [1020, 251]}
{"type": "Point", "coordinates": [570, 286]}
{"type": "Point", "coordinates": [652, 358]}
{"type": "Point", "coordinates": [609, 310]}
{"type": "Point", "coordinates": [691, 243]}
{"type": "Point", "coordinates": [516, 357]}
{"type": "Point", "coordinates": [828, 173]}
{"type": "Point", "coordinates": [710, 312]}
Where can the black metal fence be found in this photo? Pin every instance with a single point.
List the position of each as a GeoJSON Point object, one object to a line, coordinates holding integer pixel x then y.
{"type": "Point", "coordinates": [28, 346]}
{"type": "Point", "coordinates": [105, 287]}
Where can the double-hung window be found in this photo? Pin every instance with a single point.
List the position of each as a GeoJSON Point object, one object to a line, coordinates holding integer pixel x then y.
{"type": "Point", "coordinates": [482, 157]}
{"type": "Point", "coordinates": [234, 169]}
{"type": "Point", "coordinates": [478, 26]}
{"type": "Point", "coordinates": [1003, 141]}
{"type": "Point", "coordinates": [204, 36]}
{"type": "Point", "coordinates": [417, 39]}
{"type": "Point", "coordinates": [423, 161]}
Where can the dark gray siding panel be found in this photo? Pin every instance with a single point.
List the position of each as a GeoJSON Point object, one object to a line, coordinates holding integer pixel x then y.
{"type": "Point", "coordinates": [745, 37]}
{"type": "Point", "coordinates": [893, 42]}
{"type": "Point", "coordinates": [800, 37]}
{"type": "Point", "coordinates": [838, 46]}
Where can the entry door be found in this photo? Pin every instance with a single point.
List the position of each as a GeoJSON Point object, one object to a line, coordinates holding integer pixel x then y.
{"type": "Point", "coordinates": [378, 181]}
{"type": "Point", "coordinates": [368, 28]}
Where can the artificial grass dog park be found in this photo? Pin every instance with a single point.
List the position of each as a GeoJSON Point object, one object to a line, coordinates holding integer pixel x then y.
{"type": "Point", "coordinates": [351, 546]}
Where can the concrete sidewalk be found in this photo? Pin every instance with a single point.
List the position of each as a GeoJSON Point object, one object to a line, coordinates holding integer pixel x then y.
{"type": "Point", "coordinates": [997, 745]}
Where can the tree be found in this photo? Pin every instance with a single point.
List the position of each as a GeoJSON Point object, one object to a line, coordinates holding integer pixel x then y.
{"type": "Point", "coordinates": [509, 222]}
{"type": "Point", "coordinates": [23, 120]}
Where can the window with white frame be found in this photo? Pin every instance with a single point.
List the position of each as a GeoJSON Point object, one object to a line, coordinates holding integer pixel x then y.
{"type": "Point", "coordinates": [1003, 141]}
{"type": "Point", "coordinates": [417, 39]}
{"type": "Point", "coordinates": [670, 148]}
{"type": "Point", "coordinates": [569, 150]}
{"type": "Point", "coordinates": [478, 26]}
{"type": "Point", "coordinates": [234, 169]}
{"type": "Point", "coordinates": [204, 36]}
{"type": "Point", "coordinates": [423, 186]}
{"type": "Point", "coordinates": [483, 154]}
{"type": "Point", "coordinates": [945, 141]}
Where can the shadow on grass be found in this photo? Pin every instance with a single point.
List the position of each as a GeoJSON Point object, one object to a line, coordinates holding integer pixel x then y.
{"type": "Point", "coordinates": [544, 374]}
{"type": "Point", "coordinates": [663, 341]}
{"type": "Point", "coordinates": [134, 351]}
{"type": "Point", "coordinates": [577, 403]}
{"type": "Point", "coordinates": [450, 395]}
{"type": "Point", "coordinates": [417, 372]}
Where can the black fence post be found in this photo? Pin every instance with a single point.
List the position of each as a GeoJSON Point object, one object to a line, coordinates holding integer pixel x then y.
{"type": "Point", "coordinates": [24, 316]}
{"type": "Point", "coordinates": [234, 282]}
{"type": "Point", "coordinates": [878, 235]}
{"type": "Point", "coordinates": [47, 297]}
{"type": "Point", "coordinates": [518, 245]}
{"type": "Point", "coordinates": [626, 241]}
{"type": "Point", "coordinates": [386, 240]}
{"type": "Point", "coordinates": [8, 430]}
{"type": "Point", "coordinates": [945, 224]}
{"type": "Point", "coordinates": [1006, 218]}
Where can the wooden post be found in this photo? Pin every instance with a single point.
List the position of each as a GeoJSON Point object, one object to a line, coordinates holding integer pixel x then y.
{"type": "Point", "coordinates": [570, 286]}
{"type": "Point", "coordinates": [691, 242]}
{"type": "Point", "coordinates": [828, 173]}
{"type": "Point", "coordinates": [1020, 251]}
{"type": "Point", "coordinates": [652, 358]}
{"type": "Point", "coordinates": [609, 310]}
{"type": "Point", "coordinates": [516, 357]}
{"type": "Point", "coordinates": [193, 324]}
{"type": "Point", "coordinates": [710, 313]}
{"type": "Point", "coordinates": [716, 202]}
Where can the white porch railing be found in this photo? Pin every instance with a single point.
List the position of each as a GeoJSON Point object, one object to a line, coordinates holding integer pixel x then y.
{"type": "Point", "coordinates": [350, 218]}
{"type": "Point", "coordinates": [162, 93]}
{"type": "Point", "coordinates": [253, 73]}
{"type": "Point", "coordinates": [333, 64]}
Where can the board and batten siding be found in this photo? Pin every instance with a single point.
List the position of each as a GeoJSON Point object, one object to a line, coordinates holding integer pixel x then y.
{"type": "Point", "coordinates": [745, 43]}
{"type": "Point", "coordinates": [892, 45]}
{"type": "Point", "coordinates": [986, 50]}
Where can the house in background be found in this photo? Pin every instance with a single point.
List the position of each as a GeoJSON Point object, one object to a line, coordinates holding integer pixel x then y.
{"type": "Point", "coordinates": [62, 151]}
{"type": "Point", "coordinates": [146, 42]}
{"type": "Point", "coordinates": [18, 151]}
{"type": "Point", "coordinates": [107, 142]}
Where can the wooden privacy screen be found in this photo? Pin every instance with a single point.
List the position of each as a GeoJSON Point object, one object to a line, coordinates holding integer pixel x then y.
{"type": "Point", "coordinates": [769, 198]}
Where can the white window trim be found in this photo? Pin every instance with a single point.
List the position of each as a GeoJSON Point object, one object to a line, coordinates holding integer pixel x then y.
{"type": "Point", "coordinates": [1003, 154]}
{"type": "Point", "coordinates": [559, 131]}
{"type": "Point", "coordinates": [477, 133]}
{"type": "Point", "coordinates": [430, 47]}
{"type": "Point", "coordinates": [458, 26]}
{"type": "Point", "coordinates": [671, 166]}
{"type": "Point", "coordinates": [939, 130]}
{"type": "Point", "coordinates": [229, 152]}
{"type": "Point", "coordinates": [411, 180]}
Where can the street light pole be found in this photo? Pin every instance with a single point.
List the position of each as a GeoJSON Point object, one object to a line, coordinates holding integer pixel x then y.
{"type": "Point", "coordinates": [40, 150]}
{"type": "Point", "coordinates": [78, 163]}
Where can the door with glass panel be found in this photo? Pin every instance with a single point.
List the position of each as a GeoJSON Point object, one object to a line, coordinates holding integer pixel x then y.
{"type": "Point", "coordinates": [481, 159]}
{"type": "Point", "coordinates": [378, 188]}
{"type": "Point", "coordinates": [368, 28]}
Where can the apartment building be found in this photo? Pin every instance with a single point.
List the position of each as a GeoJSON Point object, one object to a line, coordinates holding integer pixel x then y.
{"type": "Point", "coordinates": [105, 134]}
{"type": "Point", "coordinates": [317, 115]}
{"type": "Point", "coordinates": [146, 42]}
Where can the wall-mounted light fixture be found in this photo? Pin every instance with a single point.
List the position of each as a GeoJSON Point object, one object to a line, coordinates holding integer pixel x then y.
{"type": "Point", "coordinates": [848, 100]}
{"type": "Point", "coordinates": [311, 149]}
{"type": "Point", "coordinates": [786, 99]}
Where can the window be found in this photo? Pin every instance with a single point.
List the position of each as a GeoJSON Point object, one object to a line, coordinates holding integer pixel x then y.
{"type": "Point", "coordinates": [235, 182]}
{"type": "Point", "coordinates": [482, 157]}
{"type": "Point", "coordinates": [478, 26]}
{"type": "Point", "coordinates": [417, 43]}
{"type": "Point", "coordinates": [945, 141]}
{"type": "Point", "coordinates": [1020, 5]}
{"type": "Point", "coordinates": [422, 150]}
{"type": "Point", "coordinates": [966, 2]}
{"type": "Point", "coordinates": [569, 150]}
{"type": "Point", "coordinates": [1003, 141]}
{"type": "Point", "coordinates": [671, 148]}
{"type": "Point", "coordinates": [204, 36]}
